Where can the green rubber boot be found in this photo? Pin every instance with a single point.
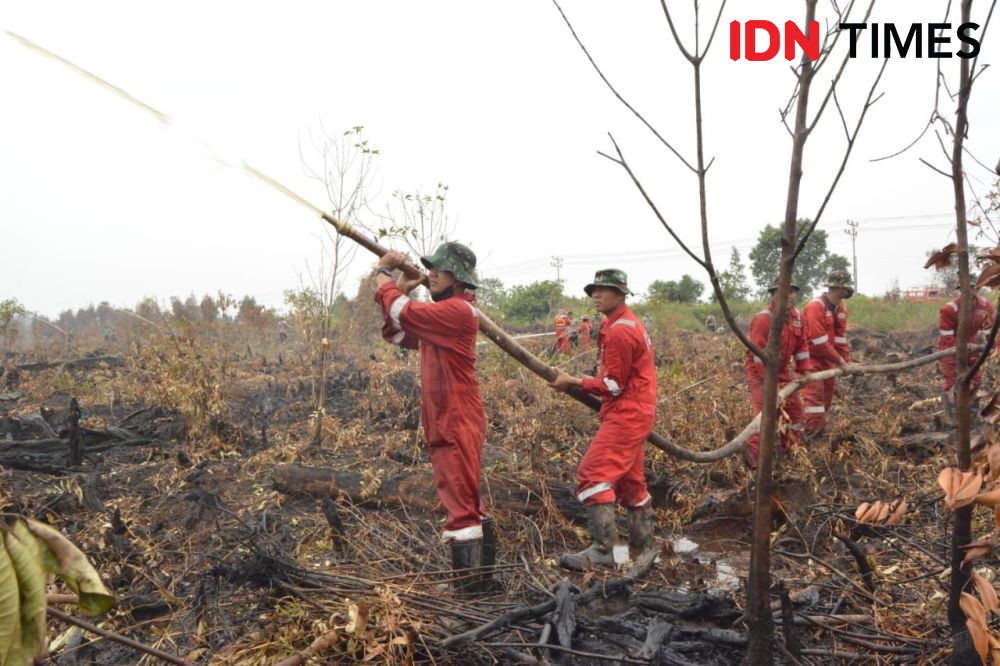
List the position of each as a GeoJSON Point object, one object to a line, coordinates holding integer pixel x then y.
{"type": "Point", "coordinates": [604, 536]}
{"type": "Point", "coordinates": [640, 531]}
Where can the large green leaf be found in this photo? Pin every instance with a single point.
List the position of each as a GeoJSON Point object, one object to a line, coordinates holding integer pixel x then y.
{"type": "Point", "coordinates": [74, 568]}
{"type": "Point", "coordinates": [10, 619]}
{"type": "Point", "coordinates": [25, 555]}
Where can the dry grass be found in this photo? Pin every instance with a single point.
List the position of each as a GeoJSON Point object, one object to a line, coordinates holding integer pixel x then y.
{"type": "Point", "coordinates": [250, 575]}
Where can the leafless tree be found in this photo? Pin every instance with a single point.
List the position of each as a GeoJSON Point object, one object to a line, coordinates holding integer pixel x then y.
{"type": "Point", "coordinates": [964, 650]}
{"type": "Point", "coordinates": [345, 165]}
{"type": "Point", "coordinates": [938, 121]}
{"type": "Point", "coordinates": [803, 123]}
{"type": "Point", "coordinates": [420, 220]}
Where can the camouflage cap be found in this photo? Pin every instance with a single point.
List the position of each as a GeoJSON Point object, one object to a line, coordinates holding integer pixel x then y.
{"type": "Point", "coordinates": [840, 279]}
{"type": "Point", "coordinates": [774, 287]}
{"type": "Point", "coordinates": [609, 277]}
{"type": "Point", "coordinates": [455, 258]}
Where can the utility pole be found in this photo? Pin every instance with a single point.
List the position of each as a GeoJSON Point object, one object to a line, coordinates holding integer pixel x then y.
{"type": "Point", "coordinates": [557, 263]}
{"type": "Point", "coordinates": [852, 231]}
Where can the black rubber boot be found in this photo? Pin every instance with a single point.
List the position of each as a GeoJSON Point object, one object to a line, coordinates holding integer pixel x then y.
{"type": "Point", "coordinates": [466, 555]}
{"type": "Point", "coordinates": [604, 536]}
{"type": "Point", "coordinates": [472, 576]}
{"type": "Point", "coordinates": [489, 542]}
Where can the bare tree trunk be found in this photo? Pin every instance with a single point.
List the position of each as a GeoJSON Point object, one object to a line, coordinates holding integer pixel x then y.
{"type": "Point", "coordinates": [760, 622]}
{"type": "Point", "coordinates": [963, 650]}
{"type": "Point", "coordinates": [317, 437]}
{"type": "Point", "coordinates": [326, 330]}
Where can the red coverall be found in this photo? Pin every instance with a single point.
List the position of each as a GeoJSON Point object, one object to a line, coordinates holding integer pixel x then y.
{"type": "Point", "coordinates": [982, 320]}
{"type": "Point", "coordinates": [613, 467]}
{"type": "Point", "coordinates": [826, 328]}
{"type": "Point", "coordinates": [585, 328]}
{"type": "Point", "coordinates": [794, 344]}
{"type": "Point", "coordinates": [451, 408]}
{"type": "Point", "coordinates": [562, 333]}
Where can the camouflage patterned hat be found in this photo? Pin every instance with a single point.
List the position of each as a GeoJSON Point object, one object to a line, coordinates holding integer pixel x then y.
{"type": "Point", "coordinates": [774, 287]}
{"type": "Point", "coordinates": [455, 258]}
{"type": "Point", "coordinates": [609, 277]}
{"type": "Point", "coordinates": [840, 279]}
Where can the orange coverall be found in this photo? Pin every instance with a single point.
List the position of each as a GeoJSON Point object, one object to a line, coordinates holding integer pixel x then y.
{"type": "Point", "coordinates": [826, 328]}
{"type": "Point", "coordinates": [794, 345]}
{"type": "Point", "coordinates": [982, 319]}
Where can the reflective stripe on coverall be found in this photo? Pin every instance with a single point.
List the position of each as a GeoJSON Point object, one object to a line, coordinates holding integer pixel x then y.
{"type": "Point", "coordinates": [451, 409]}
{"type": "Point", "coordinates": [794, 346]}
{"type": "Point", "coordinates": [826, 330]}
{"type": "Point", "coordinates": [982, 320]}
{"type": "Point", "coordinates": [613, 466]}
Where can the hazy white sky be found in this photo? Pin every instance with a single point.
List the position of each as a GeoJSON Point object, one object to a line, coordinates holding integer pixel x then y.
{"type": "Point", "coordinates": [99, 201]}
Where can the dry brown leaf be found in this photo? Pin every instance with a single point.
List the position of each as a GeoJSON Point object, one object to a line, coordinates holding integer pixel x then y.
{"type": "Point", "coordinates": [898, 511]}
{"type": "Point", "coordinates": [972, 483]}
{"type": "Point", "coordinates": [871, 516]}
{"type": "Point", "coordinates": [883, 513]}
{"type": "Point", "coordinates": [993, 254]}
{"type": "Point", "coordinates": [980, 638]}
{"type": "Point", "coordinates": [972, 608]}
{"type": "Point", "coordinates": [942, 259]}
{"type": "Point", "coordinates": [861, 510]}
{"type": "Point", "coordinates": [987, 593]}
{"type": "Point", "coordinates": [867, 515]}
{"type": "Point", "coordinates": [989, 498]}
{"type": "Point", "coordinates": [994, 648]}
{"type": "Point", "coordinates": [946, 481]}
{"type": "Point", "coordinates": [993, 459]}
{"type": "Point", "coordinates": [990, 277]}
{"type": "Point", "coordinates": [978, 549]}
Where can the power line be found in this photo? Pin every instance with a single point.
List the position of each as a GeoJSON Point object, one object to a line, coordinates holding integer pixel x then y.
{"type": "Point", "coordinates": [646, 256]}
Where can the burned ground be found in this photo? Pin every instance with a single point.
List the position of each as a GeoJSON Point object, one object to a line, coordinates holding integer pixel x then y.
{"type": "Point", "coordinates": [229, 538]}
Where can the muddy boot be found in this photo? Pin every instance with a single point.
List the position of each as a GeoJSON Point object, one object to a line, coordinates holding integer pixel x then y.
{"type": "Point", "coordinates": [466, 555]}
{"type": "Point", "coordinates": [478, 581]}
{"type": "Point", "coordinates": [640, 531]}
{"type": "Point", "coordinates": [489, 542]}
{"type": "Point", "coordinates": [488, 584]}
{"type": "Point", "coordinates": [603, 533]}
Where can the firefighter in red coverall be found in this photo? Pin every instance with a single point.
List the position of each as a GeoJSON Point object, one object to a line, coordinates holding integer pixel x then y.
{"type": "Point", "coordinates": [794, 345]}
{"type": "Point", "coordinates": [562, 330]}
{"type": "Point", "coordinates": [982, 319]}
{"type": "Point", "coordinates": [585, 328]}
{"type": "Point", "coordinates": [825, 320]}
{"type": "Point", "coordinates": [612, 469]}
{"type": "Point", "coordinates": [451, 407]}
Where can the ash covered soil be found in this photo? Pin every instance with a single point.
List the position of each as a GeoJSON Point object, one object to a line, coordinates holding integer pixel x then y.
{"type": "Point", "coordinates": [229, 536]}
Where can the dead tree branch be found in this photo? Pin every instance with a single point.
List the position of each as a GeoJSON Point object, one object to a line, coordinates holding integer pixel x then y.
{"type": "Point", "coordinates": [615, 92]}
{"type": "Point", "coordinates": [852, 139]}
